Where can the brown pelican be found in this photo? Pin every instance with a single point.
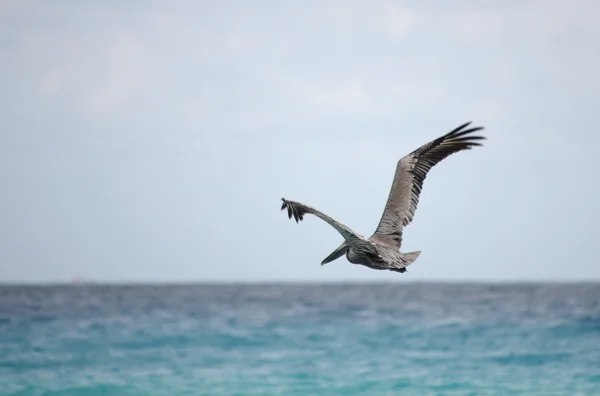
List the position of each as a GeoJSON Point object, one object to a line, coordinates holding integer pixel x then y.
{"type": "Point", "coordinates": [381, 250]}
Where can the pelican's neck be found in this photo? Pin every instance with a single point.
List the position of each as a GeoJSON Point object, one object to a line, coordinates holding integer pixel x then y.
{"type": "Point", "coordinates": [353, 257]}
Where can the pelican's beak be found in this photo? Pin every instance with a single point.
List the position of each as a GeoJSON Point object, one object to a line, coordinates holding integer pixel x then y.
{"type": "Point", "coordinates": [337, 253]}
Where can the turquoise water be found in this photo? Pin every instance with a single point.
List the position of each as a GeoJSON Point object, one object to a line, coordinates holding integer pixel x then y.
{"type": "Point", "coordinates": [278, 339]}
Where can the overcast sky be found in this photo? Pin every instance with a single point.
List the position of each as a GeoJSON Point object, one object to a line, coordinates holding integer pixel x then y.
{"type": "Point", "coordinates": [152, 141]}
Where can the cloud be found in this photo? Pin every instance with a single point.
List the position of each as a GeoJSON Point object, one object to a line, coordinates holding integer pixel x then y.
{"type": "Point", "coordinates": [351, 61]}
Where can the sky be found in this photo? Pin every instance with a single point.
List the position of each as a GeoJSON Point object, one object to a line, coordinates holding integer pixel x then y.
{"type": "Point", "coordinates": [152, 141]}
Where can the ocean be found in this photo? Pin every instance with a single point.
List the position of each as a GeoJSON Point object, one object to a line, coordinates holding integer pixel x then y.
{"type": "Point", "coordinates": [300, 339]}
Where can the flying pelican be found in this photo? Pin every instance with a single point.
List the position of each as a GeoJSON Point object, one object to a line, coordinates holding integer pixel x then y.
{"type": "Point", "coordinates": [381, 250]}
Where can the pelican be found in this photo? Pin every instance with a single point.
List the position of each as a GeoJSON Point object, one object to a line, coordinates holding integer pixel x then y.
{"type": "Point", "coordinates": [381, 250]}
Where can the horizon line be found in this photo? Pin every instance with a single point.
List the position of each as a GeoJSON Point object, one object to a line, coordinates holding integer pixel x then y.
{"type": "Point", "coordinates": [91, 282]}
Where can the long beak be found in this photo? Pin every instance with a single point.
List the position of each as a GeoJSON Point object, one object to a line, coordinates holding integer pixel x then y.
{"type": "Point", "coordinates": [337, 253]}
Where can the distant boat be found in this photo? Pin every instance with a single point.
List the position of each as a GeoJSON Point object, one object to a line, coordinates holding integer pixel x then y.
{"type": "Point", "coordinates": [80, 280]}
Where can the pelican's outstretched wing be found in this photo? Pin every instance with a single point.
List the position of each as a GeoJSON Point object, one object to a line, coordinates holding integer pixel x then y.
{"type": "Point", "coordinates": [298, 210]}
{"type": "Point", "coordinates": [408, 180]}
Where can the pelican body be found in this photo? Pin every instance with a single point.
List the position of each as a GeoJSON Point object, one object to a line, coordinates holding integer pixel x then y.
{"type": "Point", "coordinates": [381, 251]}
